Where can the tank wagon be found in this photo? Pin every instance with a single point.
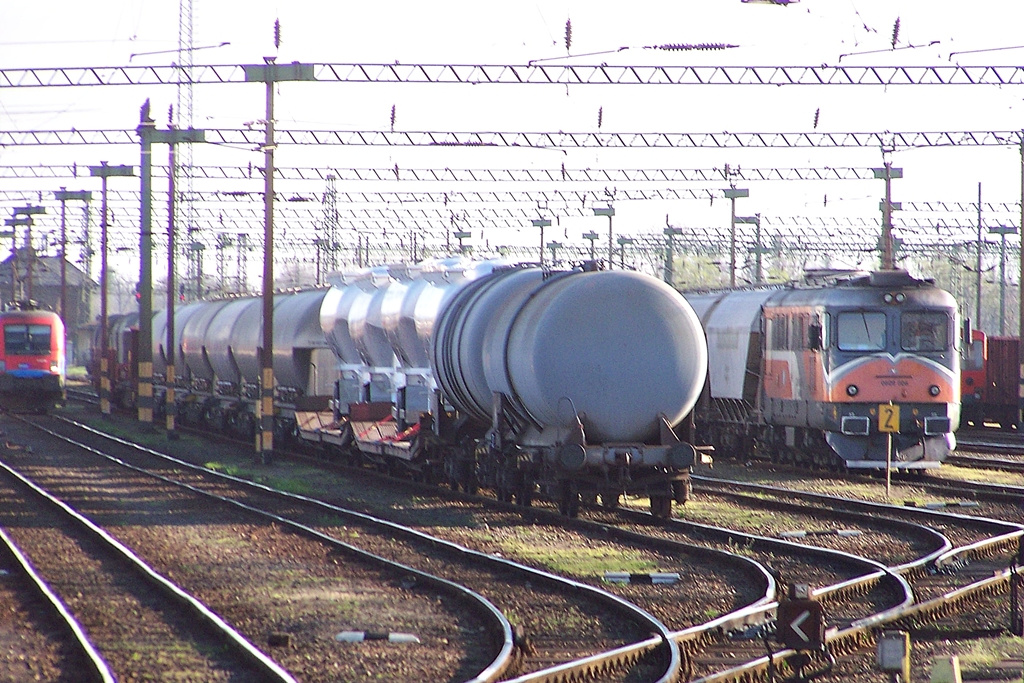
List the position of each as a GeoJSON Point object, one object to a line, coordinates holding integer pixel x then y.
{"type": "Point", "coordinates": [569, 385]}
{"type": "Point", "coordinates": [217, 361]}
{"type": "Point", "coordinates": [32, 359]}
{"type": "Point", "coordinates": [830, 371]}
{"type": "Point", "coordinates": [573, 382]}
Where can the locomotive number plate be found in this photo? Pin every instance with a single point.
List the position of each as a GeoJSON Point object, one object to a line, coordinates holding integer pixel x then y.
{"type": "Point", "coordinates": [888, 417]}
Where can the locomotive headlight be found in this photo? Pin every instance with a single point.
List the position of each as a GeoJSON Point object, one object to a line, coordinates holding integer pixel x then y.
{"type": "Point", "coordinates": [53, 367]}
{"type": "Point", "coordinates": [901, 297]}
{"type": "Point", "coordinates": [933, 390]}
{"type": "Point", "coordinates": [887, 298]}
{"type": "Point", "coordinates": [852, 390]}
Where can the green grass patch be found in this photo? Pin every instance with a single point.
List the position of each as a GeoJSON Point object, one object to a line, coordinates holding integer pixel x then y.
{"type": "Point", "coordinates": [578, 561]}
{"type": "Point", "coordinates": [552, 621]}
{"type": "Point", "coordinates": [990, 652]}
{"type": "Point", "coordinates": [297, 486]}
{"type": "Point", "coordinates": [988, 476]}
{"type": "Point", "coordinates": [725, 513]}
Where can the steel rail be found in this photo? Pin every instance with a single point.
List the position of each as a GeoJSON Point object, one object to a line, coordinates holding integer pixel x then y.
{"type": "Point", "coordinates": [99, 670]}
{"type": "Point", "coordinates": [503, 660]}
{"type": "Point", "coordinates": [254, 655]}
{"type": "Point", "coordinates": [862, 632]}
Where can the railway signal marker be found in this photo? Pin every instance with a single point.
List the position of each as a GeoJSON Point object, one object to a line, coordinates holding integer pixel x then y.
{"type": "Point", "coordinates": [888, 417]}
{"type": "Point", "coordinates": [800, 624]}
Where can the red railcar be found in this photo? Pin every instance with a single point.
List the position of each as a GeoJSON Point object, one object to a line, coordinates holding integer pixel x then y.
{"type": "Point", "coordinates": [991, 381]}
{"type": "Point", "coordinates": [32, 360]}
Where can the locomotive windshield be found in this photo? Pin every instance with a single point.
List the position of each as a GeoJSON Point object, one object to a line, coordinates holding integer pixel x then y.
{"type": "Point", "coordinates": [924, 331]}
{"type": "Point", "coordinates": [860, 331]}
{"type": "Point", "coordinates": [26, 340]}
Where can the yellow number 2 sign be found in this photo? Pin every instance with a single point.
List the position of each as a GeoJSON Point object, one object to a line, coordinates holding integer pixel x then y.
{"type": "Point", "coordinates": [888, 417]}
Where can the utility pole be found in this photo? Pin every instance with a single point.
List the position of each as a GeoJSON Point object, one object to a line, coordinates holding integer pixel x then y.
{"type": "Point", "coordinates": [732, 194]}
{"type": "Point", "coordinates": [104, 171]}
{"type": "Point", "coordinates": [14, 223]}
{"type": "Point", "coordinates": [610, 212]}
{"type": "Point", "coordinates": [754, 220]}
{"type": "Point", "coordinates": [541, 223]}
{"type": "Point", "coordinates": [888, 174]}
{"type": "Point", "coordinates": [670, 234]}
{"type": "Point", "coordinates": [592, 236]}
{"type": "Point", "coordinates": [978, 268]}
{"type": "Point", "coordinates": [623, 241]}
{"type": "Point", "coordinates": [554, 247]}
{"type": "Point", "coordinates": [171, 137]}
{"type": "Point", "coordinates": [148, 135]}
{"type": "Point", "coordinates": [1002, 231]}
{"type": "Point", "coordinates": [270, 73]}
{"type": "Point", "coordinates": [64, 196]}
{"type": "Point", "coordinates": [28, 212]}
{"type": "Point", "coordinates": [1020, 288]}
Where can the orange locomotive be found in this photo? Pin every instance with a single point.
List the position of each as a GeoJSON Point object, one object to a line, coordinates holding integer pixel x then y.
{"type": "Point", "coordinates": [831, 371]}
{"type": "Point", "coordinates": [32, 360]}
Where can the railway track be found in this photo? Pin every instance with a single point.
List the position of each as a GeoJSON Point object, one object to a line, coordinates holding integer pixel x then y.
{"type": "Point", "coordinates": [295, 580]}
{"type": "Point", "coordinates": [63, 553]}
{"type": "Point", "coordinates": [711, 647]}
{"type": "Point", "coordinates": [629, 649]}
{"type": "Point", "coordinates": [944, 585]}
{"type": "Point", "coordinates": [700, 643]}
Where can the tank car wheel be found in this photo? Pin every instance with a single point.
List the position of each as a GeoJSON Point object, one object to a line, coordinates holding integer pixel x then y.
{"type": "Point", "coordinates": [682, 491]}
{"type": "Point", "coordinates": [661, 507]}
{"type": "Point", "coordinates": [569, 500]}
{"type": "Point", "coordinates": [524, 494]}
{"type": "Point", "coordinates": [430, 475]}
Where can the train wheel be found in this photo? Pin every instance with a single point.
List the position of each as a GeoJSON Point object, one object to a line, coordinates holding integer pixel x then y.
{"type": "Point", "coordinates": [503, 493]}
{"type": "Point", "coordinates": [661, 507]}
{"type": "Point", "coordinates": [451, 474]}
{"type": "Point", "coordinates": [524, 493]}
{"type": "Point", "coordinates": [610, 500]}
{"type": "Point", "coordinates": [569, 500]}
{"type": "Point", "coordinates": [682, 491]}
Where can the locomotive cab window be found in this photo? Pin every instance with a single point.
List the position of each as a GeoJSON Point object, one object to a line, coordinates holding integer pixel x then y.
{"type": "Point", "coordinates": [860, 331]}
{"type": "Point", "coordinates": [26, 340]}
{"type": "Point", "coordinates": [921, 331]}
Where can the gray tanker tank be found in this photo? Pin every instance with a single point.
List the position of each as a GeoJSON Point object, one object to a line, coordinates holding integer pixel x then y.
{"type": "Point", "coordinates": [613, 350]}
{"type": "Point", "coordinates": [220, 343]}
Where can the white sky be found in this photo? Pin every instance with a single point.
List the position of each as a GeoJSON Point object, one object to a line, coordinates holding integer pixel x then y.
{"type": "Point", "coordinates": [811, 32]}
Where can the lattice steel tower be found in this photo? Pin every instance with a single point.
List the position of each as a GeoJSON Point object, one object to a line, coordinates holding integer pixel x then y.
{"type": "Point", "coordinates": [182, 120]}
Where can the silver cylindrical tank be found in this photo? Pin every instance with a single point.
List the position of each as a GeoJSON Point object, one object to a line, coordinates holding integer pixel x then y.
{"type": "Point", "coordinates": [296, 334]}
{"type": "Point", "coordinates": [334, 317]}
{"type": "Point", "coordinates": [193, 340]}
{"type": "Point", "coordinates": [232, 339]}
{"type": "Point", "coordinates": [616, 348]}
{"type": "Point", "coordinates": [364, 325]}
{"type": "Point", "coordinates": [181, 316]}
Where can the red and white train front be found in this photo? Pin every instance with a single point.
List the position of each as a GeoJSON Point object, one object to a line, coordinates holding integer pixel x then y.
{"type": "Point", "coordinates": [32, 360]}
